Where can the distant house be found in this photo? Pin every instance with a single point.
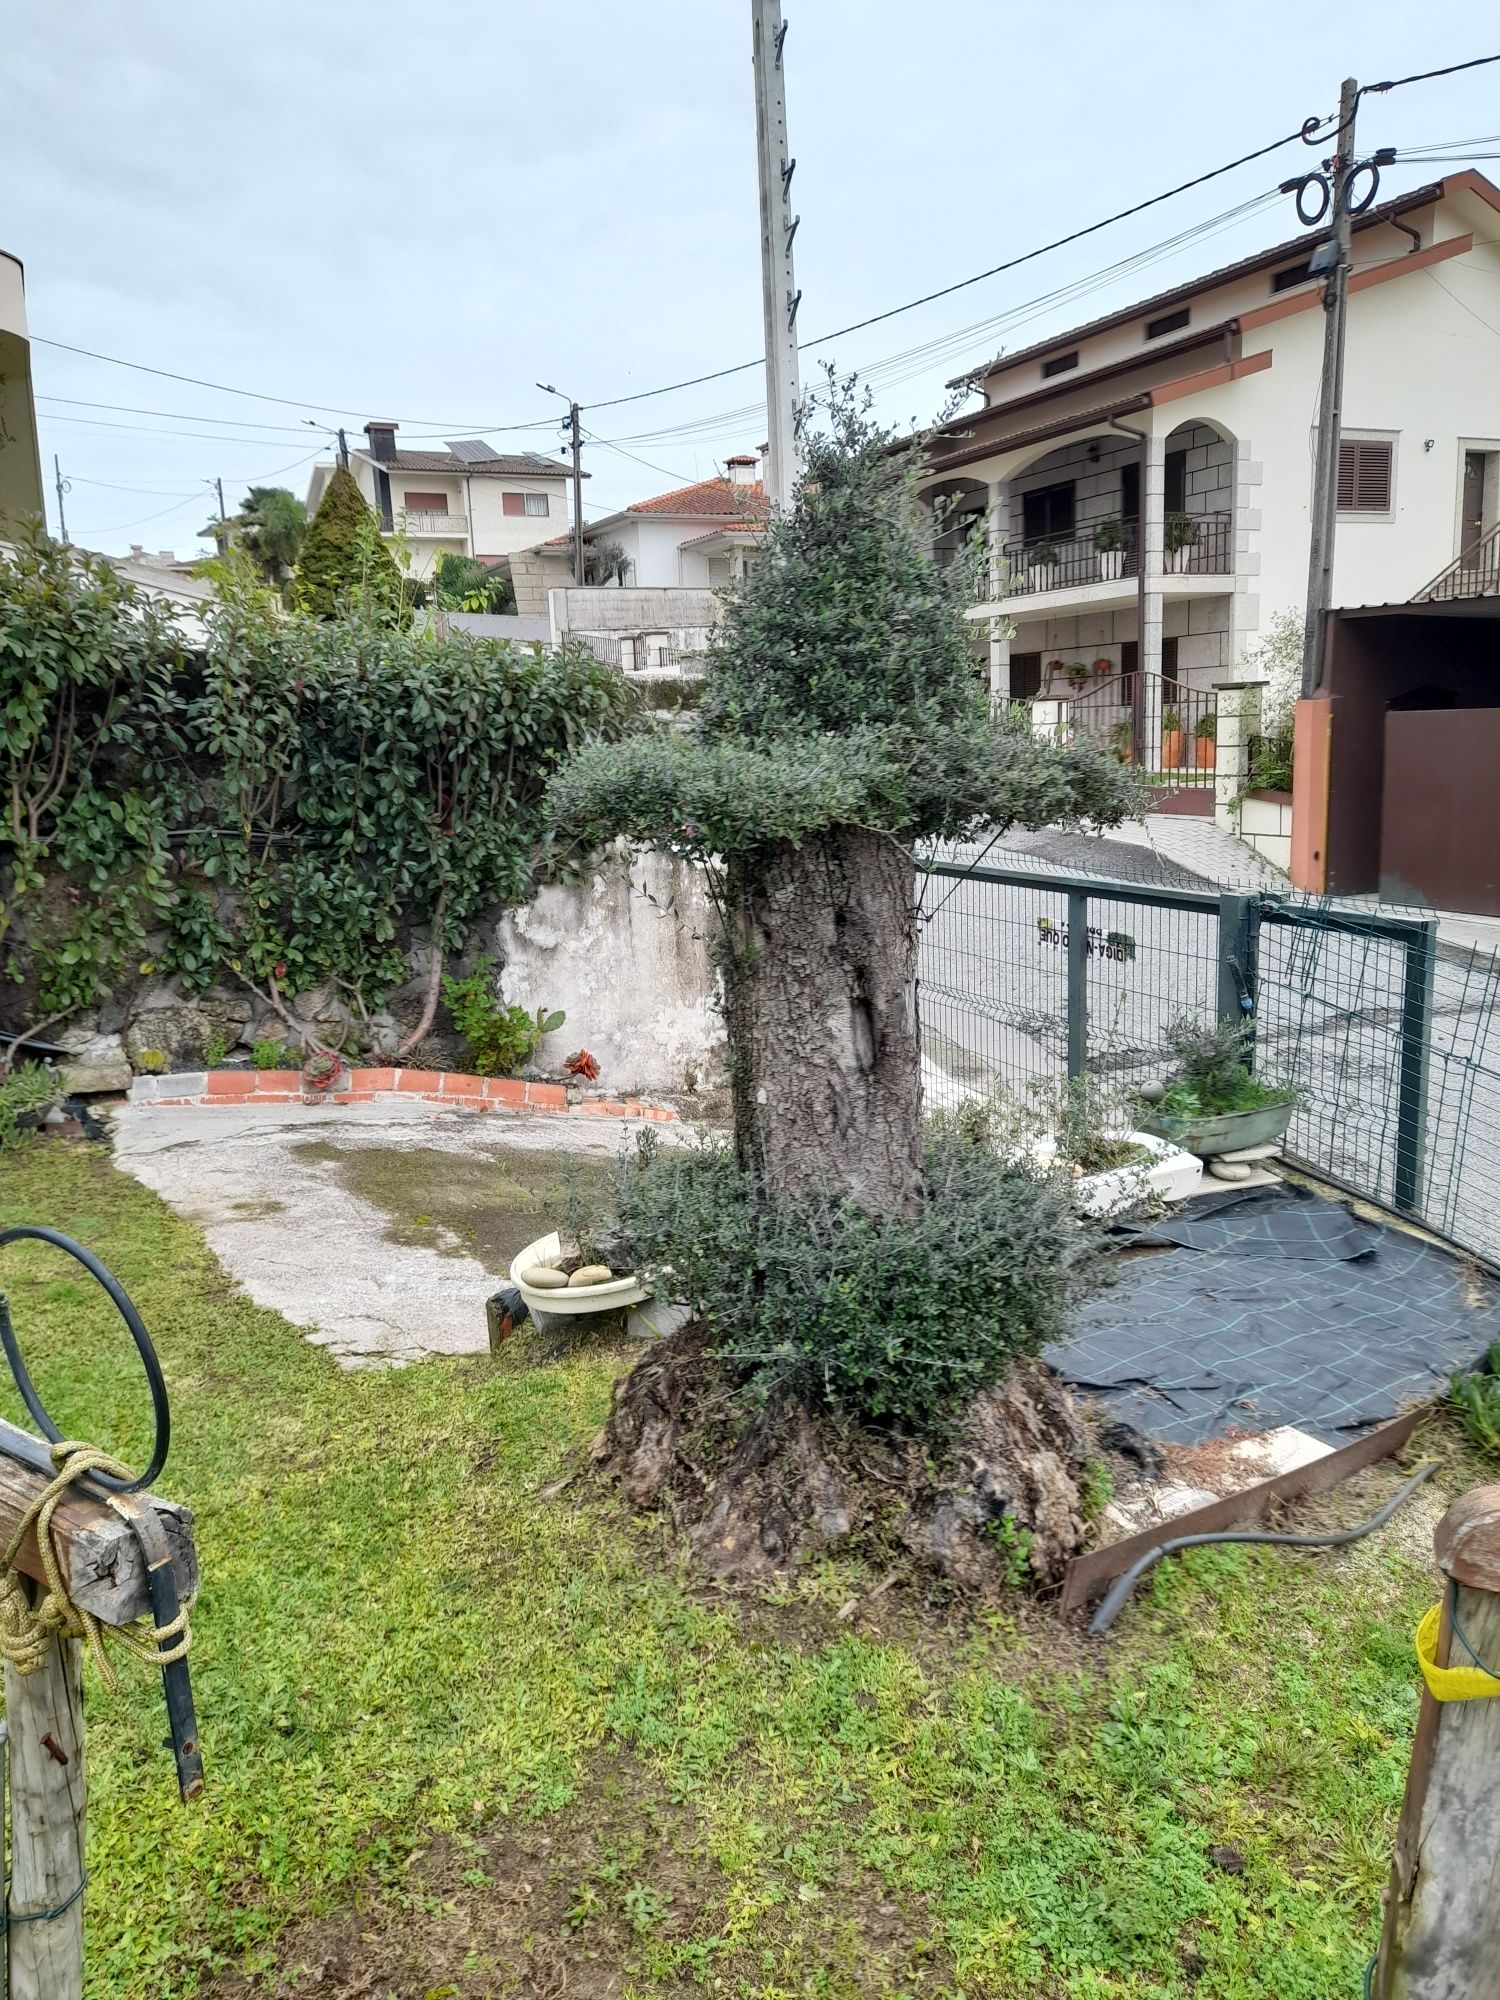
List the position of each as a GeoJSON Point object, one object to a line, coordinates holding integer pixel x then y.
{"type": "Point", "coordinates": [1144, 480]}
{"type": "Point", "coordinates": [20, 466]}
{"type": "Point", "coordinates": [468, 500]}
{"type": "Point", "coordinates": [697, 537]}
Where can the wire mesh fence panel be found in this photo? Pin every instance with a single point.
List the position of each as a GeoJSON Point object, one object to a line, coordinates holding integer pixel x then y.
{"type": "Point", "coordinates": [1147, 966]}
{"type": "Point", "coordinates": [1388, 1036]}
{"type": "Point", "coordinates": [993, 988]}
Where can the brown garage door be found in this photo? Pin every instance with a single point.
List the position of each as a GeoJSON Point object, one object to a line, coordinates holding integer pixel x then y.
{"type": "Point", "coordinates": [1440, 809]}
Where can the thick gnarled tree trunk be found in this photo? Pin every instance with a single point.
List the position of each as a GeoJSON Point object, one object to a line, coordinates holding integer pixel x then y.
{"type": "Point", "coordinates": [822, 1020]}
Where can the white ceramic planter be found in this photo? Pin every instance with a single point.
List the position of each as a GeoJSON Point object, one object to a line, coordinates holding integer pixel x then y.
{"type": "Point", "coordinates": [613, 1296]}
{"type": "Point", "coordinates": [1171, 1174]}
{"type": "Point", "coordinates": [1111, 564]}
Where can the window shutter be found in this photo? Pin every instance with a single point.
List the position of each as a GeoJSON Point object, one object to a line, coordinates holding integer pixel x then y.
{"type": "Point", "coordinates": [1364, 476]}
{"type": "Point", "coordinates": [513, 503]}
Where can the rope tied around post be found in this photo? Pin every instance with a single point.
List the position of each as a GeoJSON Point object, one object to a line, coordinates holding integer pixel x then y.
{"type": "Point", "coordinates": [28, 1629]}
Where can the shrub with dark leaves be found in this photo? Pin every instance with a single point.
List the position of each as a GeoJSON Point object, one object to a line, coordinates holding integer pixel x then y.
{"type": "Point", "coordinates": [901, 1319]}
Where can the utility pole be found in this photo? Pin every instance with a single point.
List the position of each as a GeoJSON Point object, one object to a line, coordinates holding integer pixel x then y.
{"type": "Point", "coordinates": [343, 449]}
{"type": "Point", "coordinates": [778, 226]}
{"type": "Point", "coordinates": [1332, 259]}
{"type": "Point", "coordinates": [575, 435]}
{"type": "Point", "coordinates": [221, 539]}
{"type": "Point", "coordinates": [577, 441]}
{"type": "Point", "coordinates": [63, 486]}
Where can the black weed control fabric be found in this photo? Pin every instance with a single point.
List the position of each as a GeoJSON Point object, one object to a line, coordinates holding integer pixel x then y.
{"type": "Point", "coordinates": [1270, 1306]}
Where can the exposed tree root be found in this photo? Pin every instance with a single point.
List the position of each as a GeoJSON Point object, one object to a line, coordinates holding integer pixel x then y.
{"type": "Point", "coordinates": [756, 1491]}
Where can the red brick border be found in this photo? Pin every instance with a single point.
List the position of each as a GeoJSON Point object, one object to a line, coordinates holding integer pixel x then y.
{"type": "Point", "coordinates": [363, 1086]}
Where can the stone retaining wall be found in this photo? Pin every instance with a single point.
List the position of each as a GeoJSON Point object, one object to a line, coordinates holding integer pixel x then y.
{"type": "Point", "coordinates": [366, 1086]}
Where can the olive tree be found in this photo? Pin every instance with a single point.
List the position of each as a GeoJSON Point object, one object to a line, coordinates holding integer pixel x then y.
{"type": "Point", "coordinates": [844, 719]}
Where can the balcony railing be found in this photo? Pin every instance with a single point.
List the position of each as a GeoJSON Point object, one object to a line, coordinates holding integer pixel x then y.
{"type": "Point", "coordinates": [1196, 545]}
{"type": "Point", "coordinates": [435, 524]}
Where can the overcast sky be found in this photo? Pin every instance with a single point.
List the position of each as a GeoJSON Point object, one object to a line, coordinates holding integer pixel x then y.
{"type": "Point", "coordinates": [419, 211]}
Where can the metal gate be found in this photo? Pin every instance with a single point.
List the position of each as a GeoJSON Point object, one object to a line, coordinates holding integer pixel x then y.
{"type": "Point", "coordinates": [1164, 727]}
{"type": "Point", "coordinates": [1387, 1035]}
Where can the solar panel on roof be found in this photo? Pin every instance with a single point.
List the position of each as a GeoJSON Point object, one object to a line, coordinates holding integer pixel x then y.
{"type": "Point", "coordinates": [473, 451]}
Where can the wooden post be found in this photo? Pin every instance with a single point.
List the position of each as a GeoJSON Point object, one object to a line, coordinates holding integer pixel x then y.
{"type": "Point", "coordinates": [1442, 1923]}
{"type": "Point", "coordinates": [48, 1792]}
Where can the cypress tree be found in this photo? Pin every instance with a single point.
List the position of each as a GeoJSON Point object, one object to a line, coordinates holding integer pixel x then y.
{"type": "Point", "coordinates": [344, 560]}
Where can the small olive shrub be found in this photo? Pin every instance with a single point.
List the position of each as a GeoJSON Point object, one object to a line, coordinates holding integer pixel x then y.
{"type": "Point", "coordinates": [898, 1318]}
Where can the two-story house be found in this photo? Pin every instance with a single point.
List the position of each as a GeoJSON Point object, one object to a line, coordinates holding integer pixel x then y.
{"type": "Point", "coordinates": [695, 537]}
{"type": "Point", "coordinates": [1146, 479]}
{"type": "Point", "coordinates": [469, 500]}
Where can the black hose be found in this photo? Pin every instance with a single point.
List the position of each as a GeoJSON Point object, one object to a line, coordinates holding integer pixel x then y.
{"type": "Point", "coordinates": [1119, 1591]}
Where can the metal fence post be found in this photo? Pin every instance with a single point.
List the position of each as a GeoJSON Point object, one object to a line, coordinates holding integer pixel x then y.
{"type": "Point", "coordinates": [1239, 956]}
{"type": "Point", "coordinates": [1416, 1058]}
{"type": "Point", "coordinates": [1078, 982]}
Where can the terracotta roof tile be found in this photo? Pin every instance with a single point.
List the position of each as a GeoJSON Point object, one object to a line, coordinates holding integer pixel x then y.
{"type": "Point", "coordinates": [708, 497]}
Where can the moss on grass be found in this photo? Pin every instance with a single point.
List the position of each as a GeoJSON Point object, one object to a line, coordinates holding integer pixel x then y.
{"type": "Point", "coordinates": [534, 1759]}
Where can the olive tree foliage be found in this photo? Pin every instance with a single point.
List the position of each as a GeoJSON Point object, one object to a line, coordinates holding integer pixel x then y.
{"type": "Point", "coordinates": [843, 720]}
{"type": "Point", "coordinates": [279, 804]}
{"type": "Point", "coordinates": [842, 692]}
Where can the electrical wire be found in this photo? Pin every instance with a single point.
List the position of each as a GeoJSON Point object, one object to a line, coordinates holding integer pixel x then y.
{"type": "Point", "coordinates": [994, 271]}
{"type": "Point", "coordinates": [185, 416]}
{"type": "Point", "coordinates": [157, 430]}
{"type": "Point", "coordinates": [1425, 76]}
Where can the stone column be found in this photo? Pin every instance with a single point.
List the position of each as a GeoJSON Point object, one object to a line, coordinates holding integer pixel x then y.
{"type": "Point", "coordinates": [1153, 545]}
{"type": "Point", "coordinates": [1238, 720]}
{"type": "Point", "coordinates": [1001, 629]}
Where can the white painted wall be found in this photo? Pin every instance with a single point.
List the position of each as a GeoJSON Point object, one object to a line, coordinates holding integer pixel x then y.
{"type": "Point", "coordinates": [12, 295]}
{"type": "Point", "coordinates": [496, 533]}
{"type": "Point", "coordinates": [627, 955]}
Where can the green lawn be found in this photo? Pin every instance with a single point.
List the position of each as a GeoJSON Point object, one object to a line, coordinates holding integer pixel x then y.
{"type": "Point", "coordinates": [463, 1740]}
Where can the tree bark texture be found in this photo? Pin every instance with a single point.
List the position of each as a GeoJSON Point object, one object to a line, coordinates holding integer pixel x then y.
{"type": "Point", "coordinates": [825, 1066]}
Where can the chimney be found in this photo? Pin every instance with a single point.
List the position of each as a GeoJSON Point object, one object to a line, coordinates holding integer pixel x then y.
{"type": "Point", "coordinates": [382, 439]}
{"type": "Point", "coordinates": [743, 469]}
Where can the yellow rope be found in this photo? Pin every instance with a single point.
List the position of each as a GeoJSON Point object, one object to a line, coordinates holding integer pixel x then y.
{"type": "Point", "coordinates": [27, 1630]}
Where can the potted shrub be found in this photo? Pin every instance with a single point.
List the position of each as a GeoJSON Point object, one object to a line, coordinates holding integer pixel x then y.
{"type": "Point", "coordinates": [1180, 534]}
{"type": "Point", "coordinates": [1078, 675]}
{"type": "Point", "coordinates": [1122, 743]}
{"type": "Point", "coordinates": [1171, 739]}
{"type": "Point", "coordinates": [1213, 1104]}
{"type": "Point", "coordinates": [1205, 738]}
{"type": "Point", "coordinates": [1041, 566]}
{"type": "Point", "coordinates": [1109, 546]}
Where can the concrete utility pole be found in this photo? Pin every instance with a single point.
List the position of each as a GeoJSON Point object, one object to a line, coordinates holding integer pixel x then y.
{"type": "Point", "coordinates": [221, 538]}
{"type": "Point", "coordinates": [778, 279]}
{"type": "Point", "coordinates": [1325, 496]}
{"type": "Point", "coordinates": [343, 449]}
{"type": "Point", "coordinates": [63, 486]}
{"type": "Point", "coordinates": [575, 435]}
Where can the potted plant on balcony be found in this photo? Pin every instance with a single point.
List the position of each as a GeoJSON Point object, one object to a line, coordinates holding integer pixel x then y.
{"type": "Point", "coordinates": [1078, 676]}
{"type": "Point", "coordinates": [1041, 566]}
{"type": "Point", "coordinates": [1122, 742]}
{"type": "Point", "coordinates": [1103, 667]}
{"type": "Point", "coordinates": [1205, 738]}
{"type": "Point", "coordinates": [1181, 531]}
{"type": "Point", "coordinates": [1171, 739]}
{"type": "Point", "coordinates": [1109, 546]}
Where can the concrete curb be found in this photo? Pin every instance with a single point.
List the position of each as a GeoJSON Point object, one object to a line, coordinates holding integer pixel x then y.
{"type": "Point", "coordinates": [366, 1086]}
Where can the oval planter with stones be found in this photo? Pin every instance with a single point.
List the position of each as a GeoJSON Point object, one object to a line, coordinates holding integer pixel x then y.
{"type": "Point", "coordinates": [548, 1290]}
{"type": "Point", "coordinates": [1224, 1131]}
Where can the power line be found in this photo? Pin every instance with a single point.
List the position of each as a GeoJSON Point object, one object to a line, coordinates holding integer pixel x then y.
{"type": "Point", "coordinates": [186, 416]}
{"type": "Point", "coordinates": [1426, 75]}
{"type": "Point", "coordinates": [156, 430]}
{"type": "Point", "coordinates": [994, 271]}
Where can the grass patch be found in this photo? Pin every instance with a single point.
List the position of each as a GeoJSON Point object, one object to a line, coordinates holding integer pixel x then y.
{"type": "Point", "coordinates": [513, 1738]}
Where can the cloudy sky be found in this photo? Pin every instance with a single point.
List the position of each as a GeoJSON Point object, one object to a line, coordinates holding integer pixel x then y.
{"type": "Point", "coordinates": [355, 208]}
